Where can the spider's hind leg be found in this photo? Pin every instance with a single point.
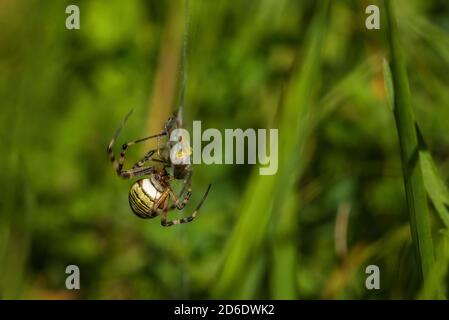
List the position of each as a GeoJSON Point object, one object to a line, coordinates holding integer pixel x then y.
{"type": "Point", "coordinates": [190, 218]}
{"type": "Point", "coordinates": [187, 184]}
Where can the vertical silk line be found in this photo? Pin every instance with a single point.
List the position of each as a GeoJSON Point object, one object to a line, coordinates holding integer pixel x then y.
{"type": "Point", "coordinates": [184, 74]}
{"type": "Point", "coordinates": [184, 275]}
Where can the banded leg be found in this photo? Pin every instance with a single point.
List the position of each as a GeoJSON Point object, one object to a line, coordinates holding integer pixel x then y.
{"type": "Point", "coordinates": [121, 160]}
{"type": "Point", "coordinates": [132, 173]}
{"type": "Point", "coordinates": [147, 157]}
{"type": "Point", "coordinates": [187, 184]}
{"type": "Point", "coordinates": [190, 218]}
{"type": "Point", "coordinates": [178, 204]}
{"type": "Point", "coordinates": [118, 165]}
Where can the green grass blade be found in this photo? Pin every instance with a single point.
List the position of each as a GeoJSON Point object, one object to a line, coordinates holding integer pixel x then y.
{"type": "Point", "coordinates": [437, 284]}
{"type": "Point", "coordinates": [435, 186]}
{"type": "Point", "coordinates": [433, 181]}
{"type": "Point", "coordinates": [437, 190]}
{"type": "Point", "coordinates": [296, 116]}
{"type": "Point", "coordinates": [247, 238]}
{"type": "Point", "coordinates": [388, 80]}
{"type": "Point", "coordinates": [408, 140]}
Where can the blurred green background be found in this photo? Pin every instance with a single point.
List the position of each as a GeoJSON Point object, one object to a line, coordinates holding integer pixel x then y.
{"type": "Point", "coordinates": [311, 71]}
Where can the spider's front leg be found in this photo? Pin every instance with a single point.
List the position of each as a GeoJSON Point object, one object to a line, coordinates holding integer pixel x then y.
{"type": "Point", "coordinates": [137, 169]}
{"type": "Point", "coordinates": [118, 165]}
{"type": "Point", "coordinates": [148, 157]}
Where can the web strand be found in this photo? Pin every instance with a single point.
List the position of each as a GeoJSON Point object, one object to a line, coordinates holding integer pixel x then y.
{"type": "Point", "coordinates": [184, 74]}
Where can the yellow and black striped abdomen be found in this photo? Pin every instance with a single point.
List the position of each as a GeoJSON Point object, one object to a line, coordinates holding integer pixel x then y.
{"type": "Point", "coordinates": [142, 197]}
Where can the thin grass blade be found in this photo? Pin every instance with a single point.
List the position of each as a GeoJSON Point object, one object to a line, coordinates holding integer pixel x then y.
{"type": "Point", "coordinates": [408, 140]}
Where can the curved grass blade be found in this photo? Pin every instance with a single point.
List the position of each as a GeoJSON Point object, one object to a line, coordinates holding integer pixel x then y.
{"type": "Point", "coordinates": [435, 186]}
{"type": "Point", "coordinates": [296, 116]}
{"type": "Point", "coordinates": [247, 238]}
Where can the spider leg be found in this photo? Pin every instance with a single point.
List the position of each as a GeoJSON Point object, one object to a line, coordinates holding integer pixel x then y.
{"type": "Point", "coordinates": [118, 164]}
{"type": "Point", "coordinates": [178, 204]}
{"type": "Point", "coordinates": [131, 173]}
{"type": "Point", "coordinates": [187, 184]}
{"type": "Point", "coordinates": [147, 157]}
{"type": "Point", "coordinates": [190, 218]}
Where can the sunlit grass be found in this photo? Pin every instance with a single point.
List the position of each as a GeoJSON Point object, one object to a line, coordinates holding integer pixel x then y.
{"type": "Point", "coordinates": [252, 64]}
{"type": "Point", "coordinates": [408, 139]}
{"type": "Point", "coordinates": [271, 198]}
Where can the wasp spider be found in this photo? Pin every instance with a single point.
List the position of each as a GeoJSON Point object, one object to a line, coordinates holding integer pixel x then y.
{"type": "Point", "coordinates": [149, 196]}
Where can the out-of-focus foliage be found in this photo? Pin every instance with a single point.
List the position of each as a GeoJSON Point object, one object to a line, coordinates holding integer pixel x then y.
{"type": "Point", "coordinates": [63, 93]}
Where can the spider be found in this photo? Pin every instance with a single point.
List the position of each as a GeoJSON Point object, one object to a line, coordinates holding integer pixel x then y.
{"type": "Point", "coordinates": [149, 196]}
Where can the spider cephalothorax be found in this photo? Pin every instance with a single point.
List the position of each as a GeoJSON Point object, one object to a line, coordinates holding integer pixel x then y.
{"type": "Point", "coordinates": [150, 195]}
